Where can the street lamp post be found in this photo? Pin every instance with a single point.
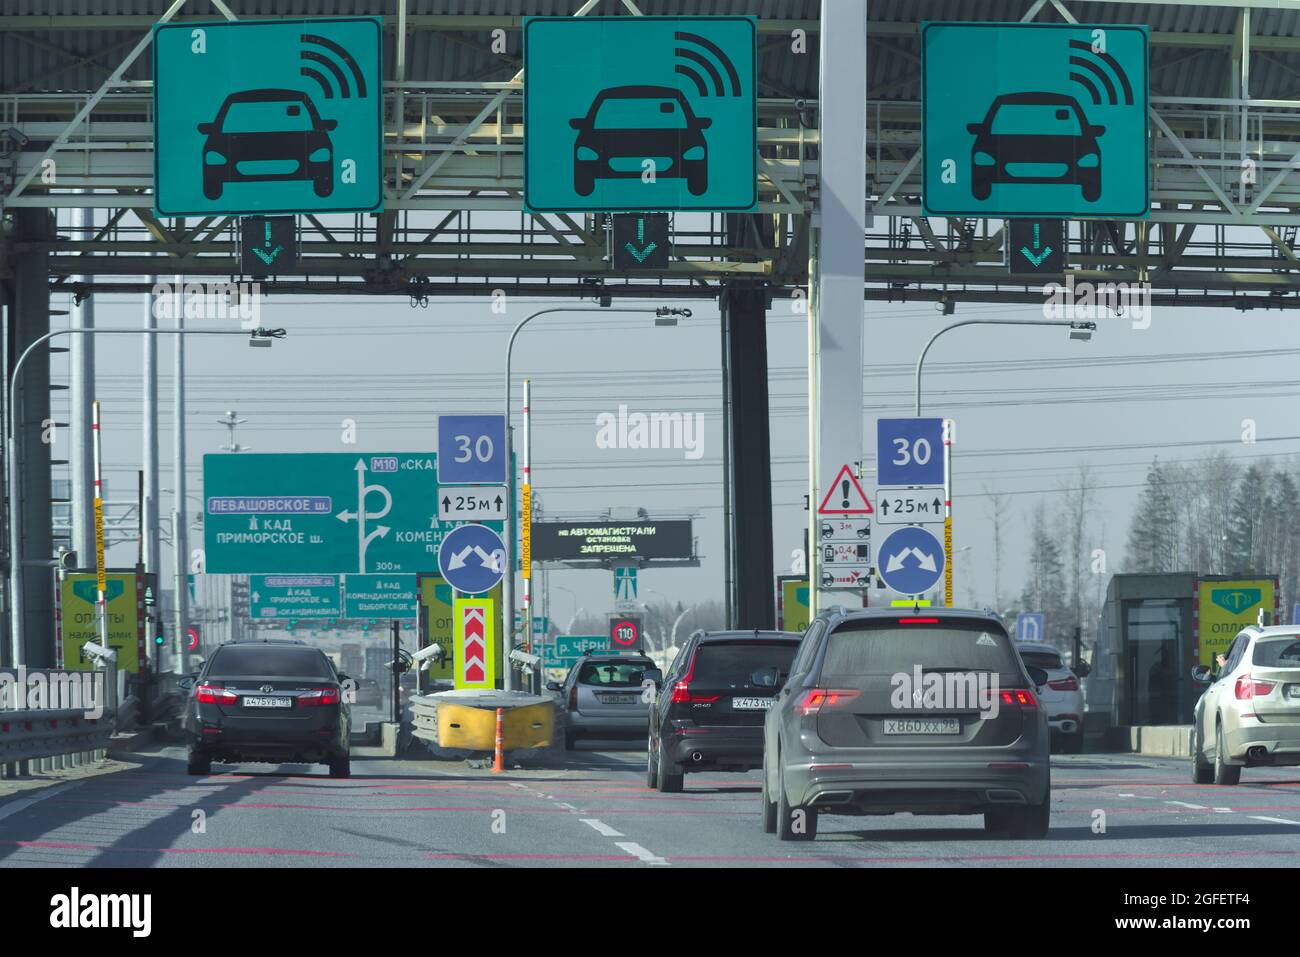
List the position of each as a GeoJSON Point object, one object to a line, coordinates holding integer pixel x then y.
{"type": "Point", "coordinates": [508, 544]}
{"type": "Point", "coordinates": [1079, 330]}
{"type": "Point", "coordinates": [18, 653]}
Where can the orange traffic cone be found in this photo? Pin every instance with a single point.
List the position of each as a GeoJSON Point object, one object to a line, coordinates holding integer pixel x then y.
{"type": "Point", "coordinates": [499, 764]}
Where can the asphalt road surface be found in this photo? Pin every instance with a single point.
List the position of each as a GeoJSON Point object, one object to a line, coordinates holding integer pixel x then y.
{"type": "Point", "coordinates": [590, 808]}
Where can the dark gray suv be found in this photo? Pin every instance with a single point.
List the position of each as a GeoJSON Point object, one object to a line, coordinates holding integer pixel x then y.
{"type": "Point", "coordinates": [929, 711]}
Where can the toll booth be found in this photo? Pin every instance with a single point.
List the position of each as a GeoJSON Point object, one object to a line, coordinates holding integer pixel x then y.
{"type": "Point", "coordinates": [1153, 630]}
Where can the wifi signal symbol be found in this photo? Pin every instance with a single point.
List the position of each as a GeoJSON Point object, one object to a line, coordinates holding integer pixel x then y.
{"type": "Point", "coordinates": [1094, 71]}
{"type": "Point", "coordinates": [334, 60]}
{"type": "Point", "coordinates": [696, 58]}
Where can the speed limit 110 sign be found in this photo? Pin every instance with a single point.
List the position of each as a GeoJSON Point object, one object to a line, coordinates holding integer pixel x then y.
{"type": "Point", "coordinates": [625, 632]}
{"type": "Point", "coordinates": [909, 451]}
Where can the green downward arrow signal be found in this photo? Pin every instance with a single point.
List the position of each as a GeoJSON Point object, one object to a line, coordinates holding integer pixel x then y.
{"type": "Point", "coordinates": [1037, 260]}
{"type": "Point", "coordinates": [645, 251]}
{"type": "Point", "coordinates": [269, 255]}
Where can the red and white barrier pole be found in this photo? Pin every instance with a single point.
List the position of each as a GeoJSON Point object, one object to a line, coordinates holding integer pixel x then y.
{"type": "Point", "coordinates": [500, 764]}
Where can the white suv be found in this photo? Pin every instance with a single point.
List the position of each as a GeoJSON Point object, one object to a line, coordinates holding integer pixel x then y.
{"type": "Point", "coordinates": [1249, 716]}
{"type": "Point", "coordinates": [1061, 696]}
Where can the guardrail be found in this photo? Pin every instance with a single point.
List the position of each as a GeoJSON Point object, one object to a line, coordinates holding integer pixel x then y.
{"type": "Point", "coordinates": [56, 738]}
{"type": "Point", "coordinates": [54, 718]}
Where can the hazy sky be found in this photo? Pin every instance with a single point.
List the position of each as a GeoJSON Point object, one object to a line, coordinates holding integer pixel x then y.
{"type": "Point", "coordinates": [1030, 405]}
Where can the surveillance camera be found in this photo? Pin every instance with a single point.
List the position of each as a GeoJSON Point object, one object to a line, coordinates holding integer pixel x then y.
{"type": "Point", "coordinates": [98, 652]}
{"type": "Point", "coordinates": [433, 654]}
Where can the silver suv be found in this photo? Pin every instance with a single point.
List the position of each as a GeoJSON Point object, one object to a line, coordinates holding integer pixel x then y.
{"type": "Point", "coordinates": [929, 711]}
{"type": "Point", "coordinates": [1249, 716]}
{"type": "Point", "coordinates": [605, 696]}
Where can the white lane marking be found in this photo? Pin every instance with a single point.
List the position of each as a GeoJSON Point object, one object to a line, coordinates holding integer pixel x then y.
{"type": "Point", "coordinates": [567, 807]}
{"type": "Point", "coordinates": [1222, 810]}
{"type": "Point", "coordinates": [1194, 807]}
{"type": "Point", "coordinates": [15, 807]}
{"type": "Point", "coordinates": [637, 851]}
{"type": "Point", "coordinates": [1126, 795]}
{"type": "Point", "coordinates": [1273, 820]}
{"type": "Point", "coordinates": [600, 827]}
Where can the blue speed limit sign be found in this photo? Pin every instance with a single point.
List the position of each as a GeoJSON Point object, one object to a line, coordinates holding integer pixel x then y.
{"type": "Point", "coordinates": [471, 449]}
{"type": "Point", "coordinates": [909, 451]}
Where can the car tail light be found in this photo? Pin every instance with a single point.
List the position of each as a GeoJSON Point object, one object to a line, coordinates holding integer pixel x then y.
{"type": "Point", "coordinates": [573, 698]}
{"type": "Point", "coordinates": [1021, 698]}
{"type": "Point", "coordinates": [1064, 684]}
{"type": "Point", "coordinates": [815, 699]}
{"type": "Point", "coordinates": [317, 697]}
{"type": "Point", "coordinates": [918, 621]}
{"type": "Point", "coordinates": [682, 689]}
{"type": "Point", "coordinates": [1248, 687]}
{"type": "Point", "coordinates": [214, 694]}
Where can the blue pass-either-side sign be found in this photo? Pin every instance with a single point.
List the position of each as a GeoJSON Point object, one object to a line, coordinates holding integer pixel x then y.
{"type": "Point", "coordinates": [268, 116]}
{"type": "Point", "coordinates": [909, 451]}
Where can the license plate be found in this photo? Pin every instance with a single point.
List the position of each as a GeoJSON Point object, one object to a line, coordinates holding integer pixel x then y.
{"type": "Point", "coordinates": [1293, 691]}
{"type": "Point", "coordinates": [618, 698]}
{"type": "Point", "coordinates": [267, 702]}
{"type": "Point", "coordinates": [752, 704]}
{"type": "Point", "coordinates": [922, 726]}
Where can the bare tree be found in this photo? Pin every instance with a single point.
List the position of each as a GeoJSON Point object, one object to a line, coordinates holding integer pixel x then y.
{"type": "Point", "coordinates": [998, 508]}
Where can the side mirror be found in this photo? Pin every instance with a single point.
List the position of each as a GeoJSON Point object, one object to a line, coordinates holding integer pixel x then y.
{"type": "Point", "coordinates": [577, 122]}
{"type": "Point", "coordinates": [703, 122]}
{"type": "Point", "coordinates": [188, 682]}
{"type": "Point", "coordinates": [655, 675]}
{"type": "Point", "coordinates": [553, 686]}
{"type": "Point", "coordinates": [974, 128]}
{"type": "Point", "coordinates": [1037, 675]}
{"type": "Point", "coordinates": [1201, 674]}
{"type": "Point", "coordinates": [1082, 669]}
{"type": "Point", "coordinates": [329, 125]}
{"type": "Point", "coordinates": [343, 677]}
{"type": "Point", "coordinates": [206, 128]}
{"type": "Point", "coordinates": [1096, 130]}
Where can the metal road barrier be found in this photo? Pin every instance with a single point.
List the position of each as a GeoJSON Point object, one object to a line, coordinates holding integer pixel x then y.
{"type": "Point", "coordinates": [55, 717]}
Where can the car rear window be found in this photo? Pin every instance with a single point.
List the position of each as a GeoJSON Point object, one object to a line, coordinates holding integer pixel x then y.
{"type": "Point", "coordinates": [888, 647]}
{"type": "Point", "coordinates": [728, 663]}
{"type": "Point", "coordinates": [1277, 653]}
{"type": "Point", "coordinates": [253, 661]}
{"type": "Point", "coordinates": [615, 674]}
{"type": "Point", "coordinates": [1041, 659]}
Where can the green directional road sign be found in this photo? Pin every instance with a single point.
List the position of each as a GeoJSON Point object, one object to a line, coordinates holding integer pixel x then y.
{"type": "Point", "coordinates": [566, 649]}
{"type": "Point", "coordinates": [1035, 247]}
{"type": "Point", "coordinates": [379, 596]}
{"type": "Point", "coordinates": [268, 116]}
{"type": "Point", "coordinates": [640, 241]}
{"type": "Point", "coordinates": [322, 513]}
{"type": "Point", "coordinates": [640, 113]}
{"type": "Point", "coordinates": [1032, 119]}
{"type": "Point", "coordinates": [294, 596]}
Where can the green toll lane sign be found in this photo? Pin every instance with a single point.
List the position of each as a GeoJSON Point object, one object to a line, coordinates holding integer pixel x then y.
{"type": "Point", "coordinates": [1030, 119]}
{"type": "Point", "coordinates": [322, 513]}
{"type": "Point", "coordinates": [294, 596]}
{"type": "Point", "coordinates": [268, 116]}
{"type": "Point", "coordinates": [380, 596]}
{"type": "Point", "coordinates": [640, 113]}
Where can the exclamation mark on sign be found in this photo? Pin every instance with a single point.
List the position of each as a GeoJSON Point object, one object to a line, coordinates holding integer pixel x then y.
{"type": "Point", "coordinates": [844, 489]}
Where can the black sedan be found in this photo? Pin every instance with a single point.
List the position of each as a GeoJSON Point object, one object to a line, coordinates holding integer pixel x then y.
{"type": "Point", "coordinates": [268, 701]}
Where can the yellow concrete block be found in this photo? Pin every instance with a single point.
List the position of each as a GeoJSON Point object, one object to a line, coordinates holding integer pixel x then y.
{"type": "Point", "coordinates": [475, 729]}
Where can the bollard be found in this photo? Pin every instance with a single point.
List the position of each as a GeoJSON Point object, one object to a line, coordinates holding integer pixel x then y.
{"type": "Point", "coordinates": [499, 765]}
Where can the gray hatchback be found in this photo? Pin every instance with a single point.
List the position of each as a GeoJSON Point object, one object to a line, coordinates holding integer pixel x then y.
{"type": "Point", "coordinates": [607, 696]}
{"type": "Point", "coordinates": [929, 711]}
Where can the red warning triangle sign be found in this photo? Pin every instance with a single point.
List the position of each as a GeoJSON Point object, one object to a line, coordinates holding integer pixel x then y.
{"type": "Point", "coordinates": [845, 496]}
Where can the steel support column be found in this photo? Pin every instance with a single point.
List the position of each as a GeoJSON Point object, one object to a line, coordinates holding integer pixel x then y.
{"type": "Point", "coordinates": [30, 319]}
{"type": "Point", "coordinates": [749, 473]}
{"type": "Point", "coordinates": [81, 369]}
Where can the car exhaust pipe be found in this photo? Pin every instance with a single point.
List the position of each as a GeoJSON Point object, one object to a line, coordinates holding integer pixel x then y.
{"type": "Point", "coordinates": [1259, 753]}
{"type": "Point", "coordinates": [697, 757]}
